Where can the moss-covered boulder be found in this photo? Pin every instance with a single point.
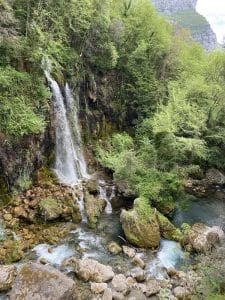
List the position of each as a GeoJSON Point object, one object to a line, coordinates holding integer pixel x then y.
{"type": "Point", "coordinates": [50, 209]}
{"type": "Point", "coordinates": [94, 206]}
{"type": "Point", "coordinates": [11, 251]}
{"type": "Point", "coordinates": [168, 230]}
{"type": "Point", "coordinates": [141, 225]}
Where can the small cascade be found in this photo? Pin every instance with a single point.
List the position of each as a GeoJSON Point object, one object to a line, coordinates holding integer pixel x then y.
{"type": "Point", "coordinates": [170, 255]}
{"type": "Point", "coordinates": [104, 195]}
{"type": "Point", "coordinates": [70, 166]}
{"type": "Point", "coordinates": [54, 255]}
{"type": "Point", "coordinates": [78, 194]}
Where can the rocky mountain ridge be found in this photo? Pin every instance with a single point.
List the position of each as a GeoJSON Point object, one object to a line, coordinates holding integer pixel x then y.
{"type": "Point", "coordinates": [184, 14]}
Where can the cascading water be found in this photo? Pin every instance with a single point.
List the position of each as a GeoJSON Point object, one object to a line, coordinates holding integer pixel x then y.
{"type": "Point", "coordinates": [70, 164]}
{"type": "Point", "coordinates": [104, 195]}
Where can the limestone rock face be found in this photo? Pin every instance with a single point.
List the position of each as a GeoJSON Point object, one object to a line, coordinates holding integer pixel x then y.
{"type": "Point", "coordinates": [38, 282]}
{"type": "Point", "coordinates": [171, 6]}
{"type": "Point", "coordinates": [183, 14]}
{"type": "Point", "coordinates": [91, 270]}
{"type": "Point", "coordinates": [94, 206]}
{"type": "Point", "coordinates": [203, 238]}
{"type": "Point", "coordinates": [7, 277]}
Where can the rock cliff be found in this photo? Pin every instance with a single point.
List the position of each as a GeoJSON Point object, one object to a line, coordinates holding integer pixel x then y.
{"type": "Point", "coordinates": [183, 13]}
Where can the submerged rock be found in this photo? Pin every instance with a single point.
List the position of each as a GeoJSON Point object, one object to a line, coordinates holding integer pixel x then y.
{"type": "Point", "coordinates": [35, 281]}
{"type": "Point", "coordinates": [114, 248]}
{"type": "Point", "coordinates": [7, 277]}
{"type": "Point", "coordinates": [94, 207]}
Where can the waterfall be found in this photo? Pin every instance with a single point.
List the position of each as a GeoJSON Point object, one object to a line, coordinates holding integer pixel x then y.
{"type": "Point", "coordinates": [70, 166]}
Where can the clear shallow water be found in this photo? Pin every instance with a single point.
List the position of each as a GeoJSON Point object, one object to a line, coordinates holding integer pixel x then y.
{"type": "Point", "coordinates": [203, 210]}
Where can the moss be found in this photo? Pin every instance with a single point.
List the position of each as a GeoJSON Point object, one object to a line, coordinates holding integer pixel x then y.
{"type": "Point", "coordinates": [168, 230]}
{"type": "Point", "coordinates": [45, 176]}
{"type": "Point", "coordinates": [50, 208]}
{"type": "Point", "coordinates": [5, 196]}
{"type": "Point", "coordinates": [143, 209]}
{"type": "Point", "coordinates": [11, 251]}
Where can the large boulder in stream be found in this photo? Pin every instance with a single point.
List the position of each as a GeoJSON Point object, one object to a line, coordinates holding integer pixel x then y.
{"type": "Point", "coordinates": [35, 281]}
{"type": "Point", "coordinates": [203, 238]}
{"type": "Point", "coordinates": [143, 226]}
{"type": "Point", "coordinates": [140, 225]}
{"type": "Point", "coordinates": [94, 206]}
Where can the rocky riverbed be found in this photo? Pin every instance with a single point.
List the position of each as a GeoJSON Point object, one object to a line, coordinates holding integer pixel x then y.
{"type": "Point", "coordinates": [77, 239]}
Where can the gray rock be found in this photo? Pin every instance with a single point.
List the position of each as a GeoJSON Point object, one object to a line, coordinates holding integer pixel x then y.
{"type": "Point", "coordinates": [114, 248]}
{"type": "Point", "coordinates": [130, 252]}
{"type": "Point", "coordinates": [37, 282]}
{"type": "Point", "coordinates": [91, 270]}
{"type": "Point", "coordinates": [98, 288]}
{"type": "Point", "coordinates": [119, 283]}
{"type": "Point", "coordinates": [137, 261]}
{"type": "Point", "coordinates": [108, 295]}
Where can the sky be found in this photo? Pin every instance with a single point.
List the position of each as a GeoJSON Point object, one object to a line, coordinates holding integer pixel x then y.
{"type": "Point", "coordinates": [214, 11]}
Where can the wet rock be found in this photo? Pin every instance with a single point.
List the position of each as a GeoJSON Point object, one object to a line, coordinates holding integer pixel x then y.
{"type": "Point", "coordinates": [98, 288]}
{"type": "Point", "coordinates": [35, 281]}
{"type": "Point", "coordinates": [171, 272]}
{"type": "Point", "coordinates": [214, 176]}
{"type": "Point", "coordinates": [131, 282]}
{"type": "Point", "coordinates": [7, 277]}
{"type": "Point", "coordinates": [91, 270]}
{"type": "Point", "coordinates": [114, 248]}
{"type": "Point", "coordinates": [7, 217]}
{"type": "Point", "coordinates": [130, 252]}
{"type": "Point", "coordinates": [20, 212]}
{"type": "Point", "coordinates": [92, 186]}
{"type": "Point", "coordinates": [181, 293]}
{"type": "Point", "coordinates": [138, 274]}
{"type": "Point", "coordinates": [43, 261]}
{"type": "Point", "coordinates": [94, 207]}
{"type": "Point", "coordinates": [203, 238]}
{"type": "Point", "coordinates": [167, 229]}
{"type": "Point", "coordinates": [137, 261]}
{"type": "Point", "coordinates": [108, 295]}
{"type": "Point", "coordinates": [119, 283]}
{"type": "Point", "coordinates": [50, 209]}
{"type": "Point", "coordinates": [11, 251]}
{"type": "Point", "coordinates": [140, 225]}
{"type": "Point", "coordinates": [152, 287]}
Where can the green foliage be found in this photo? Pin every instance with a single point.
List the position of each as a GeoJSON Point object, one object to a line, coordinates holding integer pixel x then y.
{"type": "Point", "coordinates": [135, 167]}
{"type": "Point", "coordinates": [22, 103]}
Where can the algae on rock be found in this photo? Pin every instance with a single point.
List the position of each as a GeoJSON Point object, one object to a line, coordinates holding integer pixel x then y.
{"type": "Point", "coordinates": [94, 207]}
{"type": "Point", "coordinates": [143, 226]}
